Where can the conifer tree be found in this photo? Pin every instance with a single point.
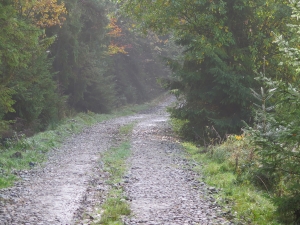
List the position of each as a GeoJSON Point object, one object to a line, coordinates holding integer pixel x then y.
{"type": "Point", "coordinates": [224, 44]}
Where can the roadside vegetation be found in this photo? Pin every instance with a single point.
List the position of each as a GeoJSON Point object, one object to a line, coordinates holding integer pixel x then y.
{"type": "Point", "coordinates": [244, 196]}
{"type": "Point", "coordinates": [21, 153]}
{"type": "Point", "coordinates": [257, 171]}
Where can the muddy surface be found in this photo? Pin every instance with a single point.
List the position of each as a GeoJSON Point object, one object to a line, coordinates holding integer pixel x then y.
{"type": "Point", "coordinates": [161, 187]}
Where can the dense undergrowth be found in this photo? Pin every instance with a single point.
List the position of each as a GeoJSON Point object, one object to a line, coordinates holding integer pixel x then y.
{"type": "Point", "coordinates": [224, 167]}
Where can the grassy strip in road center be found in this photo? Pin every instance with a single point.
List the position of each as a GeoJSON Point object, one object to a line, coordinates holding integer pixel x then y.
{"type": "Point", "coordinates": [114, 161]}
{"type": "Point", "coordinates": [115, 205]}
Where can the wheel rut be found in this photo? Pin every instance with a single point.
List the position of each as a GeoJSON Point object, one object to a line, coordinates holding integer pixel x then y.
{"type": "Point", "coordinates": [162, 188]}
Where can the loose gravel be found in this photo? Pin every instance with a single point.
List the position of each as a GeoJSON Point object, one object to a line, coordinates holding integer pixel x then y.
{"type": "Point", "coordinates": [54, 193]}
{"type": "Point", "coordinates": [161, 187]}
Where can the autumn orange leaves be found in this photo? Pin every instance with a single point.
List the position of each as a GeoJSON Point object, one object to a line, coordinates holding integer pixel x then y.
{"type": "Point", "coordinates": [48, 13]}
{"type": "Point", "coordinates": [42, 13]}
{"type": "Point", "coordinates": [115, 32]}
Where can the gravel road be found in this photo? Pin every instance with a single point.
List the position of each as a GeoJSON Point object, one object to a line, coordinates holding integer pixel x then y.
{"type": "Point", "coordinates": [161, 187]}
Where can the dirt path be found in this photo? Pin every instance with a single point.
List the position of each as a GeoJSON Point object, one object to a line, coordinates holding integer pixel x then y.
{"type": "Point", "coordinates": [161, 187]}
{"type": "Point", "coordinates": [53, 194]}
{"type": "Point", "coordinates": [72, 180]}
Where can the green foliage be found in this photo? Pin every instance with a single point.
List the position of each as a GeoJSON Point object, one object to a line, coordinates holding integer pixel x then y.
{"type": "Point", "coordinates": [114, 161]}
{"type": "Point", "coordinates": [136, 72]}
{"type": "Point", "coordinates": [45, 73]}
{"type": "Point", "coordinates": [224, 42]}
{"type": "Point", "coordinates": [276, 136]}
{"type": "Point", "coordinates": [17, 41]}
{"type": "Point", "coordinates": [79, 57]}
{"type": "Point", "coordinates": [28, 91]}
{"type": "Point", "coordinates": [6, 101]}
{"type": "Point", "coordinates": [26, 82]}
{"type": "Point", "coordinates": [289, 47]}
{"type": "Point", "coordinates": [36, 97]}
{"type": "Point", "coordinates": [276, 130]}
{"type": "Point", "coordinates": [93, 79]}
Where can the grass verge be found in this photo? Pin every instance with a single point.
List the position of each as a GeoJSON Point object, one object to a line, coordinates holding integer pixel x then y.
{"type": "Point", "coordinates": [242, 199]}
{"type": "Point", "coordinates": [23, 153]}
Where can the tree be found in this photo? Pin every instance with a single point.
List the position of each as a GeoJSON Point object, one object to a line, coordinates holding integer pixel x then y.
{"type": "Point", "coordinates": [25, 78]}
{"type": "Point", "coordinates": [50, 56]}
{"type": "Point", "coordinates": [80, 57]}
{"type": "Point", "coordinates": [224, 42]}
{"type": "Point", "coordinates": [37, 100]}
{"type": "Point", "coordinates": [17, 41]}
{"type": "Point", "coordinates": [276, 132]}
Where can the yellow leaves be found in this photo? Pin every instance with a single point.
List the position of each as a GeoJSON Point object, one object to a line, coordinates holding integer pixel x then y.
{"type": "Point", "coordinates": [114, 49]}
{"type": "Point", "coordinates": [238, 137]}
{"type": "Point", "coordinates": [115, 30]}
{"type": "Point", "coordinates": [43, 13]}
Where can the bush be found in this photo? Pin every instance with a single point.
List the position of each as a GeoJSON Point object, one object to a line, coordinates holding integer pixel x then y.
{"type": "Point", "coordinates": [276, 136]}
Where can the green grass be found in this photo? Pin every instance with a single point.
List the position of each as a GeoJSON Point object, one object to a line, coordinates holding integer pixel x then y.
{"type": "Point", "coordinates": [114, 207]}
{"type": "Point", "coordinates": [126, 129]}
{"type": "Point", "coordinates": [115, 164]}
{"type": "Point", "coordinates": [249, 204]}
{"type": "Point", "coordinates": [114, 161]}
{"type": "Point", "coordinates": [22, 153]}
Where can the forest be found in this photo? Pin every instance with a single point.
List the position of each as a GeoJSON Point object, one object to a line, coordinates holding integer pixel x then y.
{"type": "Point", "coordinates": [232, 64]}
{"type": "Point", "coordinates": [62, 57]}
